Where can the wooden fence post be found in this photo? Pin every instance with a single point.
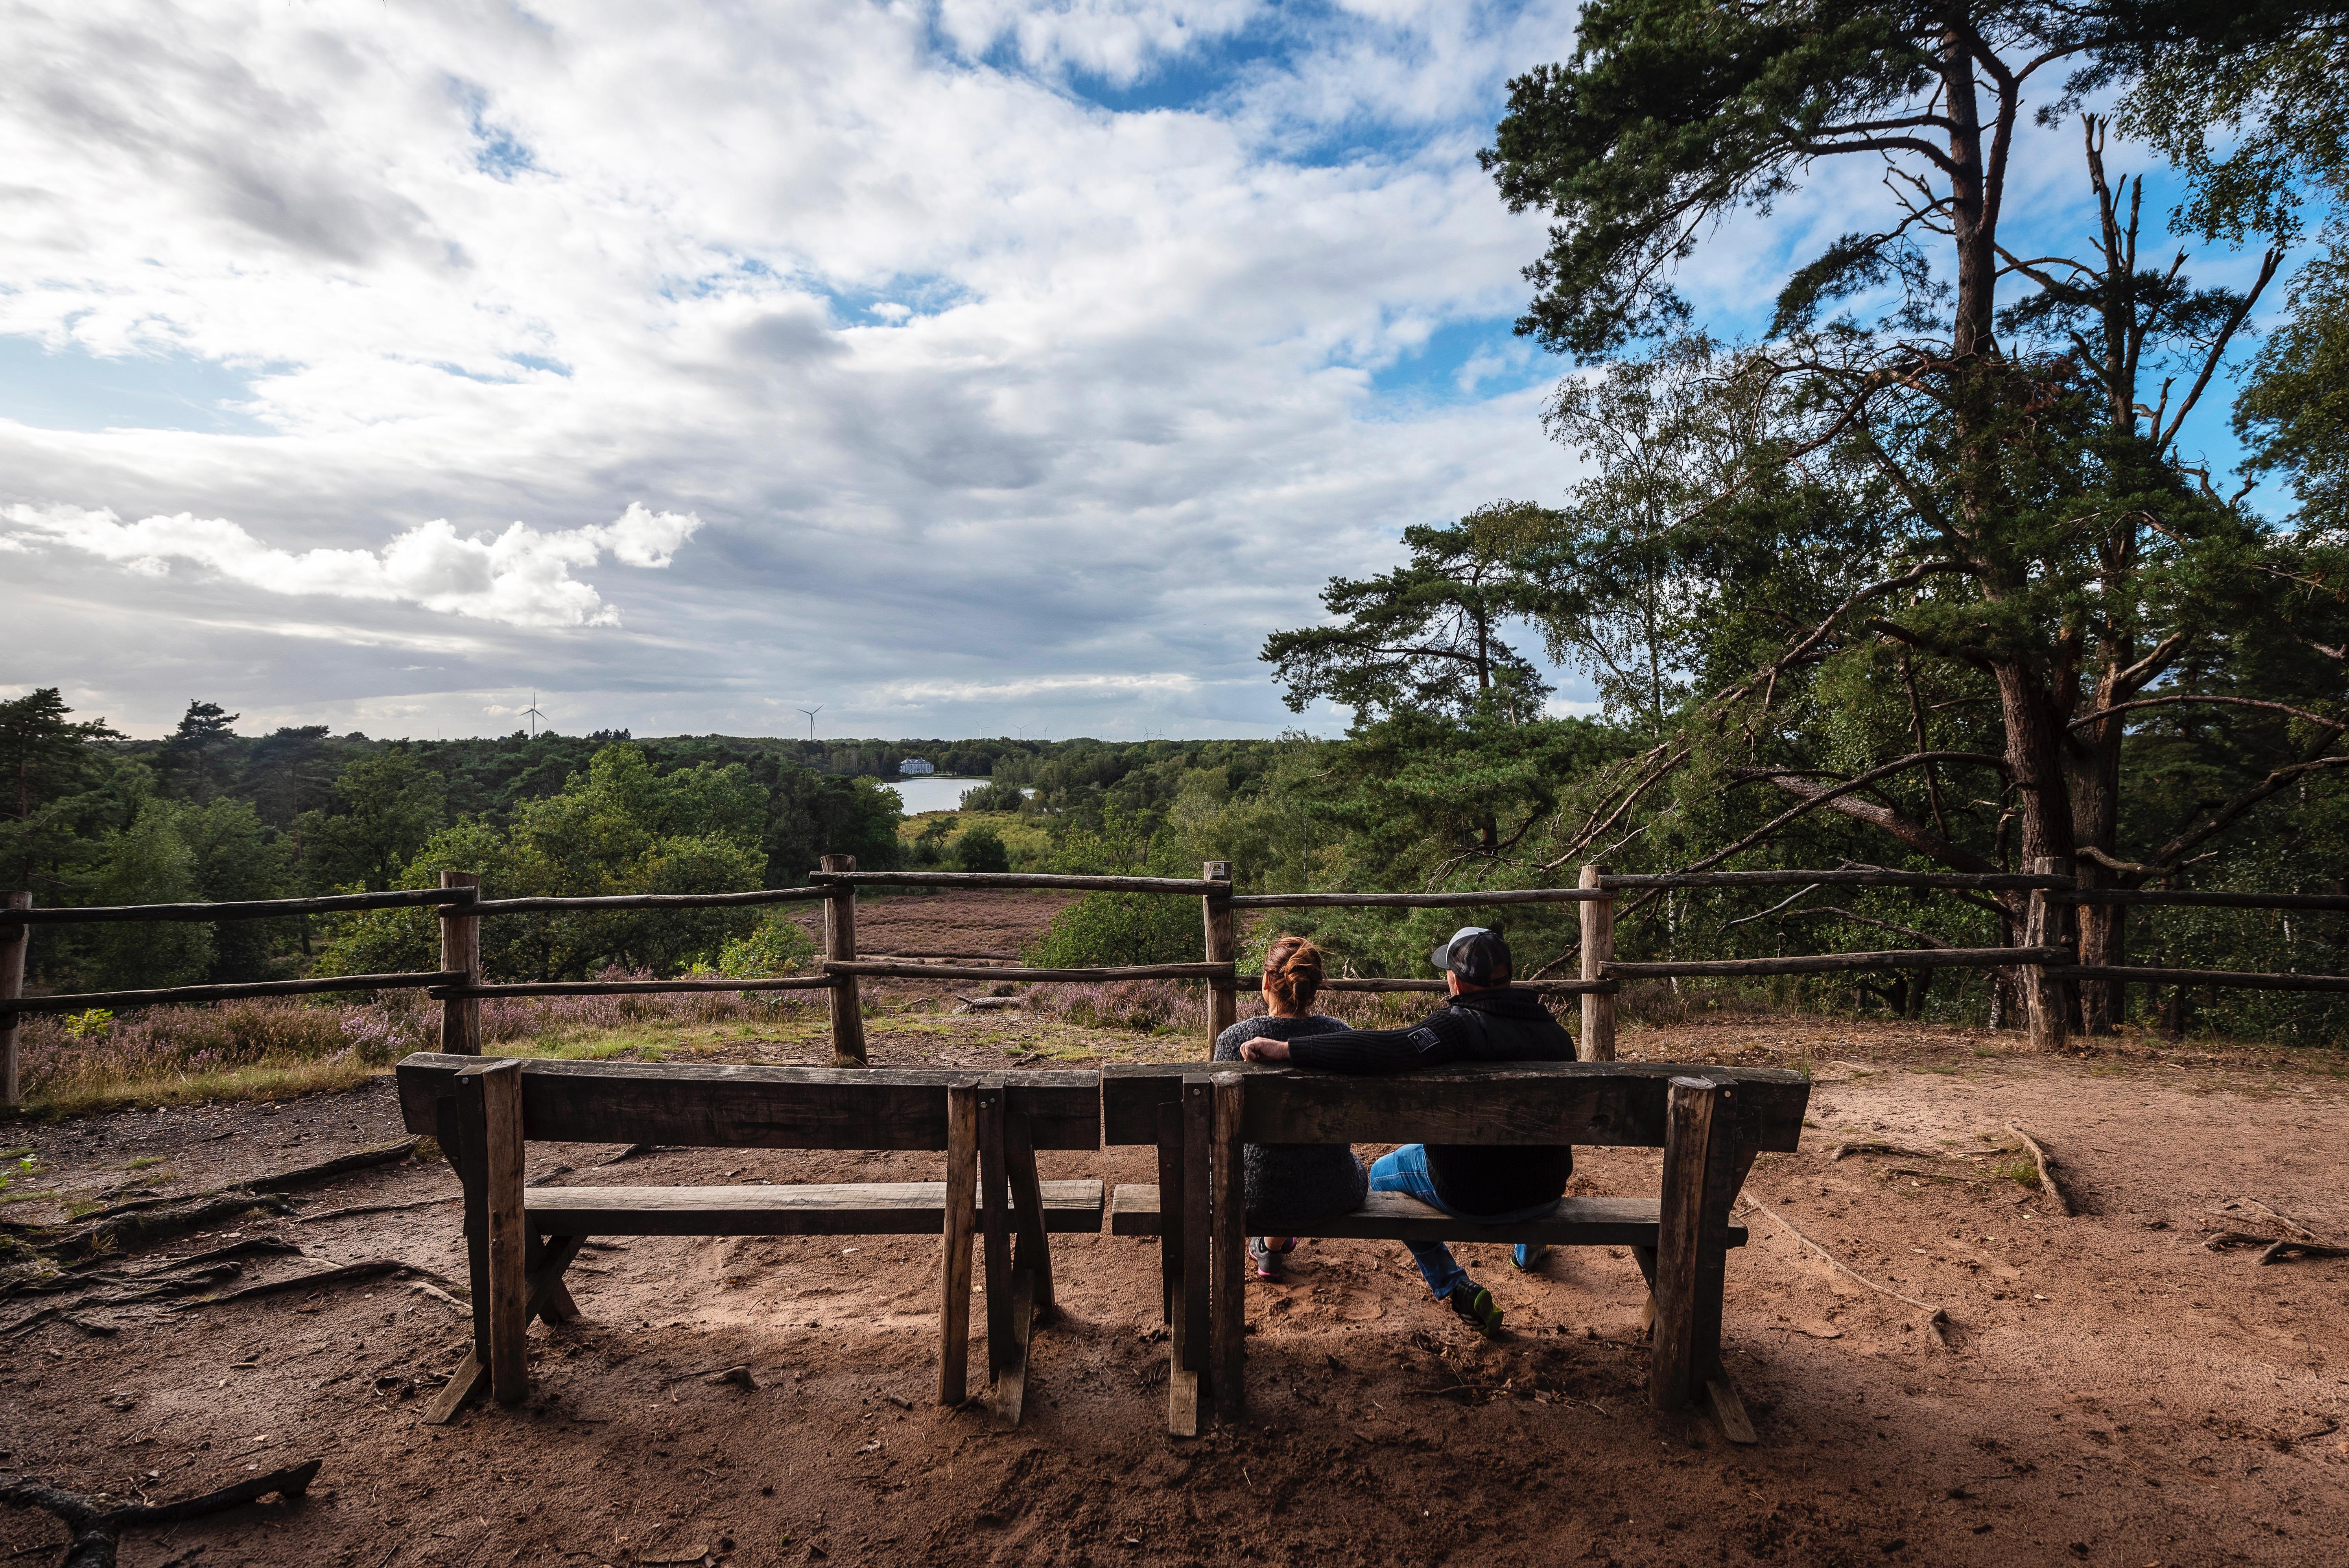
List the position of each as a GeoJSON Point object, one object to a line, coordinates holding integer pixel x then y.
{"type": "Point", "coordinates": [15, 939]}
{"type": "Point", "coordinates": [1223, 995]}
{"type": "Point", "coordinates": [1597, 1043]}
{"type": "Point", "coordinates": [2045, 1007]}
{"type": "Point", "coordinates": [840, 942]}
{"type": "Point", "coordinates": [461, 948]}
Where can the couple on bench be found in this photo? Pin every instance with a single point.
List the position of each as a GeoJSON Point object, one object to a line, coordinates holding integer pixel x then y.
{"type": "Point", "coordinates": [1485, 1020]}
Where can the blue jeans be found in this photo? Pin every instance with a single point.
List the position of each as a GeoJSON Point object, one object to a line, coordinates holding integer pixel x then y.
{"type": "Point", "coordinates": [1405, 1170]}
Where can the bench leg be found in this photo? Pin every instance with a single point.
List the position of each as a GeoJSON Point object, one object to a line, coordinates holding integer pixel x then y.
{"type": "Point", "coordinates": [1007, 1339]}
{"type": "Point", "coordinates": [954, 1258]}
{"type": "Point", "coordinates": [502, 1165]}
{"type": "Point", "coordinates": [1230, 1245]}
{"type": "Point", "coordinates": [1700, 1177]}
{"type": "Point", "coordinates": [546, 1285]}
{"type": "Point", "coordinates": [558, 1306]}
{"type": "Point", "coordinates": [1034, 1256]}
{"type": "Point", "coordinates": [1169, 1211]}
{"type": "Point", "coordinates": [1186, 1370]}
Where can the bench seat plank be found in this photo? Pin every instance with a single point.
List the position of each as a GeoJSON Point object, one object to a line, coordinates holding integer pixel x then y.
{"type": "Point", "coordinates": [846, 1208]}
{"type": "Point", "coordinates": [1399, 1217]}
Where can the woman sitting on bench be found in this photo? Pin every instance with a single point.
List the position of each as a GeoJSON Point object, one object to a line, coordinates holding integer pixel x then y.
{"type": "Point", "coordinates": [1300, 1182]}
{"type": "Point", "coordinates": [1487, 1021]}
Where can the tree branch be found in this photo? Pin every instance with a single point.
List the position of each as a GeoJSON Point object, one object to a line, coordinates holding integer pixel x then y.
{"type": "Point", "coordinates": [2332, 723]}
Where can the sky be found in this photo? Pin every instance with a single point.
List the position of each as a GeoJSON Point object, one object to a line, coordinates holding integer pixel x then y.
{"type": "Point", "coordinates": [966, 367]}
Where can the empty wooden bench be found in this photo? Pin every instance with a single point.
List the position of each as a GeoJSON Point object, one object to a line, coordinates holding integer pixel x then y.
{"type": "Point", "coordinates": [520, 1240]}
{"type": "Point", "coordinates": [1710, 1121]}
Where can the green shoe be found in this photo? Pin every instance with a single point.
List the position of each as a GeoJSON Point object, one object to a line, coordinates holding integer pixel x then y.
{"type": "Point", "coordinates": [1474, 1304]}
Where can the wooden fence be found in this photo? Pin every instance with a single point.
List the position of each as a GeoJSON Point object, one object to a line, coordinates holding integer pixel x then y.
{"type": "Point", "coordinates": [2045, 959]}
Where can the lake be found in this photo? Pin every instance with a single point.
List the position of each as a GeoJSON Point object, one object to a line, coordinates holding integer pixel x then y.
{"type": "Point", "coordinates": [933, 794]}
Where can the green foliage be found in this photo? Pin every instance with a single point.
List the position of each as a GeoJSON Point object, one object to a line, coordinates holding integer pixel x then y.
{"type": "Point", "coordinates": [386, 805]}
{"type": "Point", "coordinates": [994, 798]}
{"type": "Point", "coordinates": [619, 829]}
{"type": "Point", "coordinates": [1427, 635]}
{"type": "Point", "coordinates": [151, 863]}
{"type": "Point", "coordinates": [981, 849]}
{"type": "Point", "coordinates": [49, 777]}
{"type": "Point", "coordinates": [778, 946]}
{"type": "Point", "coordinates": [89, 1023]}
{"type": "Point", "coordinates": [1110, 928]}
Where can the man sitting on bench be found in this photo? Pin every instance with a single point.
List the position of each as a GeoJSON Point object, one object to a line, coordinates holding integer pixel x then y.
{"type": "Point", "coordinates": [1486, 1021]}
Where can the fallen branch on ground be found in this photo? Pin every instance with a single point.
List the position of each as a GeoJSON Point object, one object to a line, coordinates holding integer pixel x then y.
{"type": "Point", "coordinates": [1935, 1321]}
{"type": "Point", "coordinates": [2278, 1249]}
{"type": "Point", "coordinates": [2047, 1183]}
{"type": "Point", "coordinates": [2251, 1209]}
{"type": "Point", "coordinates": [1872, 1146]}
{"type": "Point", "coordinates": [98, 1529]}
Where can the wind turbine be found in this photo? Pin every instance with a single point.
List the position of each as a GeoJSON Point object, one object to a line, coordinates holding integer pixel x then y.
{"type": "Point", "coordinates": [811, 712]}
{"type": "Point", "coordinates": [534, 713]}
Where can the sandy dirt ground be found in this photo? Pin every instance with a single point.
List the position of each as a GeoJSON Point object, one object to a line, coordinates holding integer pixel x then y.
{"type": "Point", "coordinates": [2110, 1392]}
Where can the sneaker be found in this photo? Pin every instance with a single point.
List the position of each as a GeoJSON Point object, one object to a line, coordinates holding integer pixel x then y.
{"type": "Point", "coordinates": [1474, 1305]}
{"type": "Point", "coordinates": [1266, 1253]}
{"type": "Point", "coordinates": [1528, 1255]}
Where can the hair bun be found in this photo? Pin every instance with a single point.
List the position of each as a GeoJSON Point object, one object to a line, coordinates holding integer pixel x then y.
{"type": "Point", "coordinates": [1292, 970]}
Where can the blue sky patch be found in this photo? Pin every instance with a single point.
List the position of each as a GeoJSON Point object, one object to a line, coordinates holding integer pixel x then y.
{"type": "Point", "coordinates": [74, 389]}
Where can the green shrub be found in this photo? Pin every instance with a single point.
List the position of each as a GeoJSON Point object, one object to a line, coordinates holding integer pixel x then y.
{"type": "Point", "coordinates": [981, 849]}
{"type": "Point", "coordinates": [778, 947]}
{"type": "Point", "coordinates": [1122, 928]}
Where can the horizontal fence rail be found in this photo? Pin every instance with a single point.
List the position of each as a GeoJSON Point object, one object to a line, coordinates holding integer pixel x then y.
{"type": "Point", "coordinates": [252, 909]}
{"type": "Point", "coordinates": [1416, 899]}
{"type": "Point", "coordinates": [2191, 900]}
{"type": "Point", "coordinates": [881, 970]}
{"type": "Point", "coordinates": [1836, 963]}
{"type": "Point", "coordinates": [84, 1001]}
{"type": "Point", "coordinates": [462, 993]}
{"type": "Point", "coordinates": [1545, 987]}
{"type": "Point", "coordinates": [590, 904]}
{"type": "Point", "coordinates": [1993, 881]}
{"type": "Point", "coordinates": [1198, 888]}
{"type": "Point", "coordinates": [2239, 979]}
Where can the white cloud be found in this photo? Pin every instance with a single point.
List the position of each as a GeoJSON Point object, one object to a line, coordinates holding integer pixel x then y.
{"type": "Point", "coordinates": [976, 387]}
{"type": "Point", "coordinates": [521, 577]}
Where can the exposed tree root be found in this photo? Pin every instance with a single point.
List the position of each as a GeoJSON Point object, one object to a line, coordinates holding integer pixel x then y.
{"type": "Point", "coordinates": [98, 1529]}
{"type": "Point", "coordinates": [2047, 1183]}
{"type": "Point", "coordinates": [341, 1273]}
{"type": "Point", "coordinates": [326, 1169]}
{"type": "Point", "coordinates": [1937, 1318]}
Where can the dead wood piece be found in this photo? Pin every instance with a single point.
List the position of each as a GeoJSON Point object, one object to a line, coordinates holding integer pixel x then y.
{"type": "Point", "coordinates": [2047, 1183]}
{"type": "Point", "coordinates": [98, 1531]}
{"type": "Point", "coordinates": [2276, 1250]}
{"type": "Point", "coordinates": [991, 1004]}
{"type": "Point", "coordinates": [1926, 1175]}
{"type": "Point", "coordinates": [1938, 1317]}
{"type": "Point", "coordinates": [2258, 1213]}
{"type": "Point", "coordinates": [1872, 1146]}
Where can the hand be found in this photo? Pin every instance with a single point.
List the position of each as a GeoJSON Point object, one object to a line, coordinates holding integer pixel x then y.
{"type": "Point", "coordinates": [1263, 1050]}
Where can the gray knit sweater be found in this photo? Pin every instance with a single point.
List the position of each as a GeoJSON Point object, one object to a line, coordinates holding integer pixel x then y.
{"type": "Point", "coordinates": [1295, 1183]}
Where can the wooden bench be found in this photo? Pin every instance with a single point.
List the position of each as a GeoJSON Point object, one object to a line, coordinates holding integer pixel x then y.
{"type": "Point", "coordinates": [1710, 1122]}
{"type": "Point", "coordinates": [520, 1240]}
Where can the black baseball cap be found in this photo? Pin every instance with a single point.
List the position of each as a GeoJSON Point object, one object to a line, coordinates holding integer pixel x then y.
{"type": "Point", "coordinates": [1477, 954]}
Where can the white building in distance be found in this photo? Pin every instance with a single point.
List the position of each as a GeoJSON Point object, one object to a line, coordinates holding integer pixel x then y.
{"type": "Point", "coordinates": [914, 768]}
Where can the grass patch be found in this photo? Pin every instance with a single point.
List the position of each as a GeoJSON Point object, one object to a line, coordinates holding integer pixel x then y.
{"type": "Point", "coordinates": [2021, 1171]}
{"type": "Point", "coordinates": [145, 1163]}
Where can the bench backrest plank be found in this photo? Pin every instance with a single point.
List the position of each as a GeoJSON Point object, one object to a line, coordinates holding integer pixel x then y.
{"type": "Point", "coordinates": [1605, 1103]}
{"type": "Point", "coordinates": [717, 1104]}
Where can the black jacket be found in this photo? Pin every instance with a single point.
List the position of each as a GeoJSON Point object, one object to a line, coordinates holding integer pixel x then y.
{"type": "Point", "coordinates": [1501, 1024]}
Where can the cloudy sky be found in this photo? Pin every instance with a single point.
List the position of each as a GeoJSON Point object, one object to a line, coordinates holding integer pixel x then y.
{"type": "Point", "coordinates": [968, 367]}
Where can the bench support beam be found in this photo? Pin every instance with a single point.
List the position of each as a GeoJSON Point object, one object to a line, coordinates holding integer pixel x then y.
{"type": "Point", "coordinates": [1701, 1180]}
{"type": "Point", "coordinates": [954, 1255]}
